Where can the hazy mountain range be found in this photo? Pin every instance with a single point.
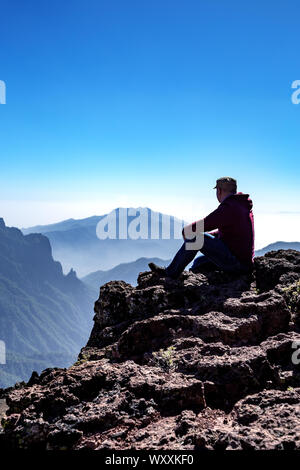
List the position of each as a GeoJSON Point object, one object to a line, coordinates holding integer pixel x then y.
{"type": "Point", "coordinates": [278, 246]}
{"type": "Point", "coordinates": [75, 243]}
{"type": "Point", "coordinates": [45, 316]}
{"type": "Point", "coordinates": [127, 272]}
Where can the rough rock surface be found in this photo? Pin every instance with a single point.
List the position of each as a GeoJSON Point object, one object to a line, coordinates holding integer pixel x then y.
{"type": "Point", "coordinates": [209, 361]}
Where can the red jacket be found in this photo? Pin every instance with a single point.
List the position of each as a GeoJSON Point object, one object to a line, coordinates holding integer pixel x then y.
{"type": "Point", "coordinates": [235, 223]}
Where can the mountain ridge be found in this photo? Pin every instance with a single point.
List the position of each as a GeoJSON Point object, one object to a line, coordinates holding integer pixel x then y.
{"type": "Point", "coordinates": [75, 244]}
{"type": "Point", "coordinates": [127, 272]}
{"type": "Point", "coordinates": [42, 311]}
{"type": "Point", "coordinates": [279, 245]}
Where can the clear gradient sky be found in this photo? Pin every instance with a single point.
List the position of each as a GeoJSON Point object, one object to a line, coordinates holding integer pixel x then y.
{"type": "Point", "coordinates": [146, 103]}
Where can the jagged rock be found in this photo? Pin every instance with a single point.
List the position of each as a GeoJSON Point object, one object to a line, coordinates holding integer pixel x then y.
{"type": "Point", "coordinates": [269, 420]}
{"type": "Point", "coordinates": [277, 267]}
{"type": "Point", "coordinates": [209, 361]}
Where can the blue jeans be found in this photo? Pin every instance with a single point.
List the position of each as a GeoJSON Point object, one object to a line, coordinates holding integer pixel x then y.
{"type": "Point", "coordinates": [213, 251]}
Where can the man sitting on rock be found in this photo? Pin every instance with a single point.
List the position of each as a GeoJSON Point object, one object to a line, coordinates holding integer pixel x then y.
{"type": "Point", "coordinates": [229, 248]}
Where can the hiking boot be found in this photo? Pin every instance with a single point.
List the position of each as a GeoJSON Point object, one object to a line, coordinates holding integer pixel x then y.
{"type": "Point", "coordinates": [158, 269]}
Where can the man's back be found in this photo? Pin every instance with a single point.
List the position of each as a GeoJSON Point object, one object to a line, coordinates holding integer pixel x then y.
{"type": "Point", "coordinates": [235, 223]}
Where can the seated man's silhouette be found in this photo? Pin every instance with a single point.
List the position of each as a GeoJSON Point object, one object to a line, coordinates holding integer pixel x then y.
{"type": "Point", "coordinates": [229, 248]}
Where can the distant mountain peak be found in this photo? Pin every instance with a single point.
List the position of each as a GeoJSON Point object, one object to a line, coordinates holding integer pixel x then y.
{"type": "Point", "coordinates": [72, 274]}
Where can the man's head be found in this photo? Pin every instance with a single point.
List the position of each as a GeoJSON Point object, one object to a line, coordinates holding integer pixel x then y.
{"type": "Point", "coordinates": [225, 186]}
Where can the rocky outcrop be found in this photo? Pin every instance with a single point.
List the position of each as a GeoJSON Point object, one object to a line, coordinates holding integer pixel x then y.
{"type": "Point", "coordinates": [209, 361]}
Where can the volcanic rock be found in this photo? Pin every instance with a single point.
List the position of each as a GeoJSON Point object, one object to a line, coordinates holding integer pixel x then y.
{"type": "Point", "coordinates": [209, 361]}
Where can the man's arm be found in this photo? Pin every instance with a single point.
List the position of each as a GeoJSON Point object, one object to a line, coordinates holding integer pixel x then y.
{"type": "Point", "coordinates": [219, 217]}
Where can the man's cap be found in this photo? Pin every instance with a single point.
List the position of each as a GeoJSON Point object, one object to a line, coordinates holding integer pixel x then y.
{"type": "Point", "coordinates": [227, 183]}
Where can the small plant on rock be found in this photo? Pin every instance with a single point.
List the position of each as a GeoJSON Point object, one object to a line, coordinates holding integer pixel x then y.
{"type": "Point", "coordinates": [84, 358]}
{"type": "Point", "coordinates": [292, 296]}
{"type": "Point", "coordinates": [164, 358]}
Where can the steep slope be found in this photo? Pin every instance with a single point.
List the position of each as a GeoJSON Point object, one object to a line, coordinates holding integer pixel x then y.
{"type": "Point", "coordinates": [45, 316]}
{"type": "Point", "coordinates": [205, 362]}
{"type": "Point", "coordinates": [75, 243]}
{"type": "Point", "coordinates": [127, 272]}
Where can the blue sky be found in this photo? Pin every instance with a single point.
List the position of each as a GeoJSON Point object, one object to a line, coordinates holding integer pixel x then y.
{"type": "Point", "coordinates": [146, 103]}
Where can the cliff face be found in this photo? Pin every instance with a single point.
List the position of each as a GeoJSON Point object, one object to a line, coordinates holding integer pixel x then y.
{"type": "Point", "coordinates": [45, 316]}
{"type": "Point", "coordinates": [205, 362]}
